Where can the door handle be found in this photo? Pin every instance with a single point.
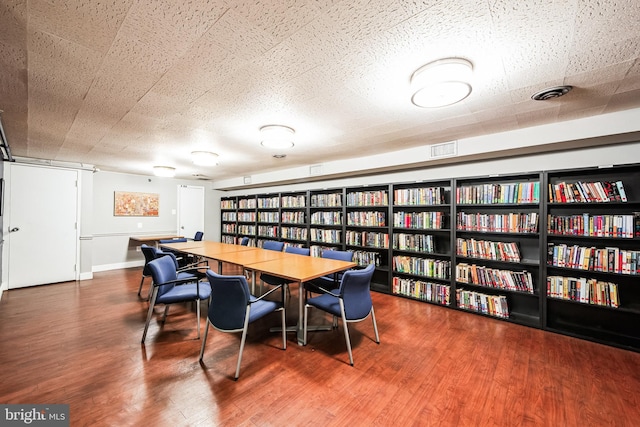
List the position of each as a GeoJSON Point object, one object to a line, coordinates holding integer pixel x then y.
{"type": "Point", "coordinates": [14, 229]}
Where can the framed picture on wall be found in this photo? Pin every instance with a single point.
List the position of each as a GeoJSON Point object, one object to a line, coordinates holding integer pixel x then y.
{"type": "Point", "coordinates": [128, 203]}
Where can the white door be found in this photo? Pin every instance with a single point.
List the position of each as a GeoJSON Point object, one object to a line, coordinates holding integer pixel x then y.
{"type": "Point", "coordinates": [42, 233]}
{"type": "Point", "coordinates": [190, 210]}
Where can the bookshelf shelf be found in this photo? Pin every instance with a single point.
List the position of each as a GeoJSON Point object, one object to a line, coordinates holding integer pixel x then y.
{"type": "Point", "coordinates": [429, 220]}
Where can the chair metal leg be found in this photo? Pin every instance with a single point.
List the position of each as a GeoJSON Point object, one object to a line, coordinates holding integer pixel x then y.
{"type": "Point", "coordinates": [149, 314]}
{"type": "Point", "coordinates": [244, 337]}
{"type": "Point", "coordinates": [198, 316]}
{"type": "Point", "coordinates": [346, 330]}
{"type": "Point", "coordinates": [141, 283]}
{"type": "Point", "coordinates": [166, 311]}
{"type": "Point", "coordinates": [284, 329]}
{"type": "Point", "coordinates": [204, 339]}
{"type": "Point", "coordinates": [375, 325]}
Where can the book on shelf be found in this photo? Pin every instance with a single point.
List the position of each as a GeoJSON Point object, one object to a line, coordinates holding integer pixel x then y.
{"type": "Point", "coordinates": [583, 290]}
{"type": "Point", "coordinates": [605, 260]}
{"type": "Point", "coordinates": [587, 192]}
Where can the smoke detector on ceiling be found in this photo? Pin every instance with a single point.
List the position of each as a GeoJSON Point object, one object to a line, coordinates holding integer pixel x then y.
{"type": "Point", "coordinates": [551, 92]}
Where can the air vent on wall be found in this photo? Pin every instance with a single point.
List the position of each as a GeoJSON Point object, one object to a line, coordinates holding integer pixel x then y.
{"type": "Point", "coordinates": [315, 170]}
{"type": "Point", "coordinates": [446, 149]}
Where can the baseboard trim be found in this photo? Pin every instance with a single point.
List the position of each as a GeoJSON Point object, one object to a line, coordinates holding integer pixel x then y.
{"type": "Point", "coordinates": [117, 266]}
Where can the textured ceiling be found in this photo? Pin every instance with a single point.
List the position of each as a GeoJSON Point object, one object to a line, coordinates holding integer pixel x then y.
{"type": "Point", "coordinates": [125, 85]}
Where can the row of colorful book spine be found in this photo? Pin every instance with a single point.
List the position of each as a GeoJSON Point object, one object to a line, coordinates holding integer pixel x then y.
{"type": "Point", "coordinates": [246, 216]}
{"type": "Point", "coordinates": [229, 216]}
{"type": "Point", "coordinates": [227, 204]}
{"type": "Point", "coordinates": [326, 236]}
{"type": "Point", "coordinates": [494, 193]}
{"type": "Point", "coordinates": [497, 251]}
{"type": "Point", "coordinates": [605, 260]}
{"type": "Point", "coordinates": [419, 220]}
{"type": "Point", "coordinates": [421, 290]}
{"type": "Point", "coordinates": [439, 269]}
{"type": "Point", "coordinates": [294, 233]}
{"type": "Point", "coordinates": [294, 201]}
{"type": "Point", "coordinates": [367, 219]}
{"type": "Point", "coordinates": [587, 192]}
{"type": "Point", "coordinates": [293, 217]}
{"type": "Point", "coordinates": [521, 281]}
{"type": "Point", "coordinates": [498, 223]}
{"type": "Point", "coordinates": [366, 238]}
{"type": "Point", "coordinates": [583, 290]}
{"type": "Point", "coordinates": [247, 229]}
{"type": "Point", "coordinates": [492, 305]}
{"type": "Point", "coordinates": [332, 200]}
{"type": "Point", "coordinates": [619, 226]}
{"type": "Point", "coordinates": [365, 258]}
{"type": "Point", "coordinates": [368, 198]}
{"type": "Point", "coordinates": [268, 217]}
{"type": "Point", "coordinates": [247, 204]}
{"type": "Point", "coordinates": [326, 218]}
{"type": "Point", "coordinates": [414, 242]}
{"type": "Point", "coordinates": [268, 231]}
{"type": "Point", "coordinates": [419, 196]}
{"type": "Point", "coordinates": [269, 203]}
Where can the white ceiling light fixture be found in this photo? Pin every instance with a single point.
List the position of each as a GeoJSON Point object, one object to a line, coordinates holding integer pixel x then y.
{"type": "Point", "coordinates": [441, 83]}
{"type": "Point", "coordinates": [204, 158]}
{"type": "Point", "coordinates": [277, 136]}
{"type": "Point", "coordinates": [164, 171]}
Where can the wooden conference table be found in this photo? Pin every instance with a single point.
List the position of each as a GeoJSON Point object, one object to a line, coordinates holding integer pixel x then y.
{"type": "Point", "coordinates": [294, 267]}
{"type": "Point", "coordinates": [152, 239]}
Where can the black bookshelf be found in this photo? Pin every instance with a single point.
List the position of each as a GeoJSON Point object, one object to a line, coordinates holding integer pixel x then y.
{"type": "Point", "coordinates": [593, 250]}
{"type": "Point", "coordinates": [488, 245]}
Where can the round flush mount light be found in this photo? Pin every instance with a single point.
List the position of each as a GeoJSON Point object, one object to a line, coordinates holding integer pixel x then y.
{"type": "Point", "coordinates": [204, 158]}
{"type": "Point", "coordinates": [551, 92]}
{"type": "Point", "coordinates": [164, 171]}
{"type": "Point", "coordinates": [277, 136]}
{"type": "Point", "coordinates": [441, 83]}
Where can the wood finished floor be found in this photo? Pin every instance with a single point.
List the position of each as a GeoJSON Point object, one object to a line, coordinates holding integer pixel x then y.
{"type": "Point", "coordinates": [79, 343]}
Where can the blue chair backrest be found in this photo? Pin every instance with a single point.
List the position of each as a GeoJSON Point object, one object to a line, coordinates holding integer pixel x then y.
{"type": "Point", "coordinates": [159, 253]}
{"type": "Point", "coordinates": [297, 250]}
{"type": "Point", "coordinates": [229, 299]}
{"type": "Point", "coordinates": [272, 245]}
{"type": "Point", "coordinates": [149, 253]}
{"type": "Point", "coordinates": [244, 241]}
{"type": "Point", "coordinates": [163, 270]}
{"type": "Point", "coordinates": [339, 255]}
{"type": "Point", "coordinates": [198, 237]}
{"type": "Point", "coordinates": [356, 293]}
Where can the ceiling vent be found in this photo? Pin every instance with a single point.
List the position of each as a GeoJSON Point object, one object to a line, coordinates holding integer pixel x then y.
{"type": "Point", "coordinates": [200, 176]}
{"type": "Point", "coordinates": [446, 149]}
{"type": "Point", "coordinates": [551, 92]}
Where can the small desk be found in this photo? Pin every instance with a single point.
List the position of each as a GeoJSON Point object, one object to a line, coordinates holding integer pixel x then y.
{"type": "Point", "coordinates": [152, 239]}
{"type": "Point", "coordinates": [299, 268]}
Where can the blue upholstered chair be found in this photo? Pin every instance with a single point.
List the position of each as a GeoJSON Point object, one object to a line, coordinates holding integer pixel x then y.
{"type": "Point", "coordinates": [329, 281]}
{"type": "Point", "coordinates": [233, 308]}
{"type": "Point", "coordinates": [272, 245]}
{"type": "Point", "coordinates": [351, 302]}
{"type": "Point", "coordinates": [182, 261]}
{"type": "Point", "coordinates": [168, 288]}
{"type": "Point", "coordinates": [244, 241]}
{"type": "Point", "coordinates": [198, 236]}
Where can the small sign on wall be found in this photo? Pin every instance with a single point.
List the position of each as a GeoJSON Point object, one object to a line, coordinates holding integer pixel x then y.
{"type": "Point", "coordinates": [127, 203]}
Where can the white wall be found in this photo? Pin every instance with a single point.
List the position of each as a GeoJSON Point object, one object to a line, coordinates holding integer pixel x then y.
{"type": "Point", "coordinates": [111, 245]}
{"type": "Point", "coordinates": [588, 157]}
